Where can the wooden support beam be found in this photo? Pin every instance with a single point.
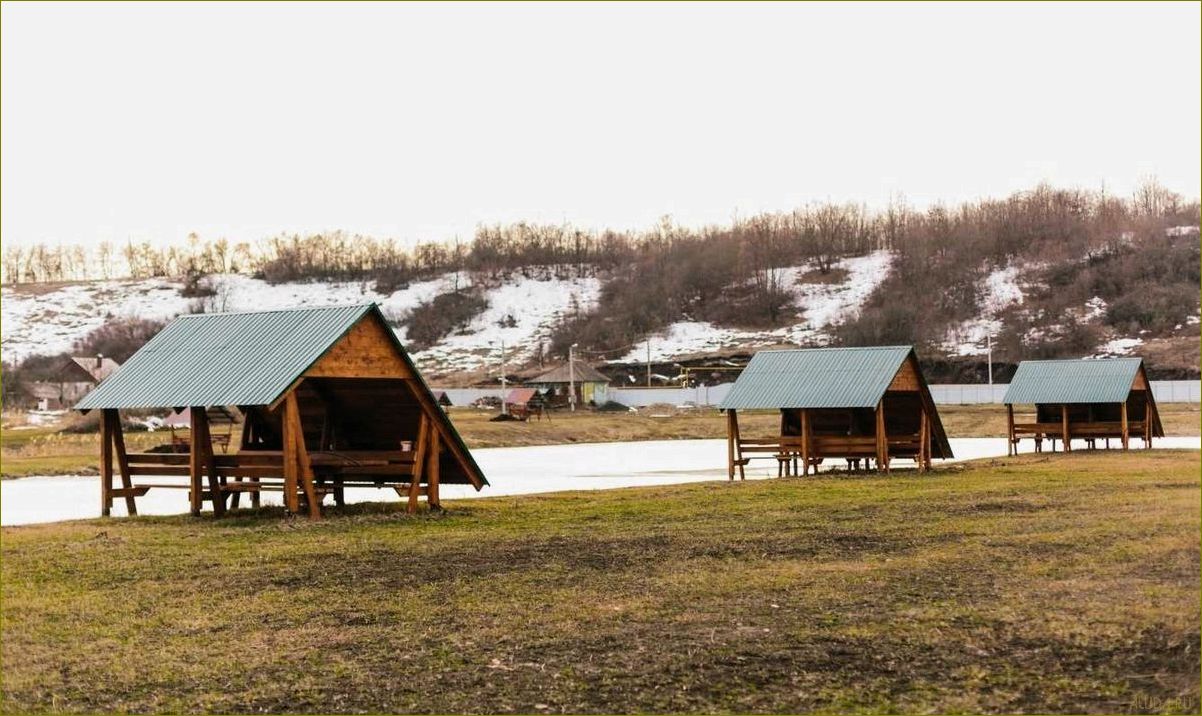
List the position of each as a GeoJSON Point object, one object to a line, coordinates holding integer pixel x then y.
{"type": "Point", "coordinates": [195, 460]}
{"type": "Point", "coordinates": [1125, 426]}
{"type": "Point", "coordinates": [291, 462]}
{"type": "Point", "coordinates": [882, 438]}
{"type": "Point", "coordinates": [302, 468]}
{"type": "Point", "coordinates": [114, 418]}
{"type": "Point", "coordinates": [1149, 418]}
{"type": "Point", "coordinates": [421, 447]}
{"type": "Point", "coordinates": [730, 445]}
{"type": "Point", "coordinates": [433, 476]}
{"type": "Point", "coordinates": [805, 441]}
{"type": "Point", "coordinates": [106, 466]}
{"type": "Point", "coordinates": [923, 428]}
{"type": "Point", "coordinates": [929, 442]}
{"type": "Point", "coordinates": [734, 425]}
{"type": "Point", "coordinates": [1011, 446]}
{"type": "Point", "coordinates": [1064, 428]}
{"type": "Point", "coordinates": [202, 446]}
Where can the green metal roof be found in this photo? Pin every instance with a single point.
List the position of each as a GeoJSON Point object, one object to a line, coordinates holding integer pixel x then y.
{"type": "Point", "coordinates": [1073, 381]}
{"type": "Point", "coordinates": [816, 378]}
{"type": "Point", "coordinates": [225, 358]}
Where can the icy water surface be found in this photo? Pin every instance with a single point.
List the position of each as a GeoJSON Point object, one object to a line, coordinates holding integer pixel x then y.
{"type": "Point", "coordinates": [511, 471]}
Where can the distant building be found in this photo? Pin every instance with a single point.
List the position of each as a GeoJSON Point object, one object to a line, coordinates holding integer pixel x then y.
{"type": "Point", "coordinates": [72, 381]}
{"type": "Point", "coordinates": [592, 387]}
{"type": "Point", "coordinates": [441, 397]}
{"type": "Point", "coordinates": [41, 395]}
{"type": "Point", "coordinates": [80, 374]}
{"type": "Point", "coordinates": [521, 403]}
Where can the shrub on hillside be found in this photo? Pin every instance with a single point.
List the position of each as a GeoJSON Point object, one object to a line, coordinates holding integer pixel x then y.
{"type": "Point", "coordinates": [432, 320]}
{"type": "Point", "coordinates": [119, 339]}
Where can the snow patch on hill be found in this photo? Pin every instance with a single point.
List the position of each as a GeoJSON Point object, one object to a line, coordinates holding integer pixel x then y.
{"type": "Point", "coordinates": [41, 319]}
{"type": "Point", "coordinates": [820, 306]}
{"type": "Point", "coordinates": [521, 313]}
{"type": "Point", "coordinates": [1000, 290]}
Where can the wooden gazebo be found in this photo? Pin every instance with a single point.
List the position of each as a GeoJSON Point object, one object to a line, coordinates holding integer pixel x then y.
{"type": "Point", "coordinates": [1089, 400]}
{"type": "Point", "coordinates": [330, 397]}
{"type": "Point", "coordinates": [855, 404]}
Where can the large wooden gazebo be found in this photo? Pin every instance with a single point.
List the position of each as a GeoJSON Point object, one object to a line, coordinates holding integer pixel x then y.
{"type": "Point", "coordinates": [856, 404]}
{"type": "Point", "coordinates": [330, 397]}
{"type": "Point", "coordinates": [1089, 400]}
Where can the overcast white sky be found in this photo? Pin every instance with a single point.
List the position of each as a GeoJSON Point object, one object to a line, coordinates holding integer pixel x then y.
{"type": "Point", "coordinates": [422, 121]}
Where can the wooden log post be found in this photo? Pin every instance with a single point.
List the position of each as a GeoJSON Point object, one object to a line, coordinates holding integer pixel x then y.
{"type": "Point", "coordinates": [106, 466]}
{"type": "Point", "coordinates": [432, 477]}
{"type": "Point", "coordinates": [1011, 446]}
{"type": "Point", "coordinates": [734, 425]}
{"type": "Point", "coordinates": [1149, 420]}
{"type": "Point", "coordinates": [291, 462]}
{"type": "Point", "coordinates": [297, 456]}
{"type": "Point", "coordinates": [419, 462]}
{"type": "Point", "coordinates": [928, 442]}
{"type": "Point", "coordinates": [203, 462]}
{"type": "Point", "coordinates": [195, 459]}
{"type": "Point", "coordinates": [1126, 431]}
{"type": "Point", "coordinates": [805, 441]}
{"type": "Point", "coordinates": [118, 438]}
{"type": "Point", "coordinates": [923, 427]}
{"type": "Point", "coordinates": [730, 445]}
{"type": "Point", "coordinates": [882, 438]}
{"type": "Point", "coordinates": [1064, 428]}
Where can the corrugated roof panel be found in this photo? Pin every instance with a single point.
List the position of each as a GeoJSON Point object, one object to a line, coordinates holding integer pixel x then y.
{"type": "Point", "coordinates": [1073, 381]}
{"type": "Point", "coordinates": [224, 358]}
{"type": "Point", "coordinates": [816, 378]}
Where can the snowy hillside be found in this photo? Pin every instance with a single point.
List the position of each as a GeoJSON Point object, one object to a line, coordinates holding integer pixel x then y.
{"type": "Point", "coordinates": [818, 306]}
{"type": "Point", "coordinates": [49, 319]}
{"type": "Point", "coordinates": [522, 311]}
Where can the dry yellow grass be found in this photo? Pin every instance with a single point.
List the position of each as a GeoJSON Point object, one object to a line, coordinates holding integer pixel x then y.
{"type": "Point", "coordinates": [1038, 584]}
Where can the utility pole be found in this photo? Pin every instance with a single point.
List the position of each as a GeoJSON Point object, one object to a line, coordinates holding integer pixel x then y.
{"type": "Point", "coordinates": [572, 376]}
{"type": "Point", "coordinates": [648, 362]}
{"type": "Point", "coordinates": [504, 392]}
{"type": "Point", "coordinates": [989, 353]}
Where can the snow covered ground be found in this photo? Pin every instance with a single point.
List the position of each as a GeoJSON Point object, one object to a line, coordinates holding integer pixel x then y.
{"type": "Point", "coordinates": [520, 312]}
{"type": "Point", "coordinates": [511, 471]}
{"type": "Point", "coordinates": [820, 306]}
{"type": "Point", "coordinates": [1000, 290]}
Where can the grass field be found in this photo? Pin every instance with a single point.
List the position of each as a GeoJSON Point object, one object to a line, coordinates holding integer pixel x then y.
{"type": "Point", "coordinates": [1034, 584]}
{"type": "Point", "coordinates": [45, 451]}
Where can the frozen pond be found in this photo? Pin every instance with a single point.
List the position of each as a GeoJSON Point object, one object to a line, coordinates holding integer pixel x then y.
{"type": "Point", "coordinates": [511, 471]}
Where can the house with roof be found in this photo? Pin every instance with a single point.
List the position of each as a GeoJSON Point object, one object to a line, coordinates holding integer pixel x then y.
{"type": "Point", "coordinates": [853, 404]}
{"type": "Point", "coordinates": [1087, 399]}
{"type": "Point", "coordinates": [591, 385]}
{"type": "Point", "coordinates": [330, 400]}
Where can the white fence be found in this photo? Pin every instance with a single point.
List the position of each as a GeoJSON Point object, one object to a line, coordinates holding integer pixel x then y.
{"type": "Point", "coordinates": [1177, 391]}
{"type": "Point", "coordinates": [1166, 391]}
{"type": "Point", "coordinates": [967, 393]}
